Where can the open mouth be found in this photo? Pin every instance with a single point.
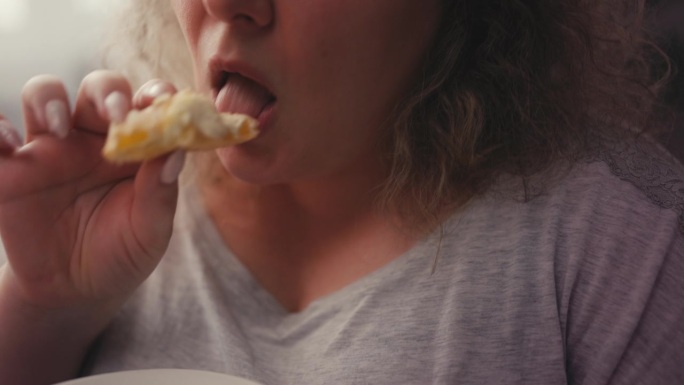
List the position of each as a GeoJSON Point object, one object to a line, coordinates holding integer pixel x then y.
{"type": "Point", "coordinates": [238, 94]}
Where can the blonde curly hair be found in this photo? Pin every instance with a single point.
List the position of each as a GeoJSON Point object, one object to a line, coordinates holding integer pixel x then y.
{"type": "Point", "coordinates": [144, 41]}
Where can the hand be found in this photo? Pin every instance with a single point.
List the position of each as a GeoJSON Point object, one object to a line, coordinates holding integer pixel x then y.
{"type": "Point", "coordinates": [78, 230]}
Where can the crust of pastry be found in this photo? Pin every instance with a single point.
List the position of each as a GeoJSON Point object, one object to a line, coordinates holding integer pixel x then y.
{"type": "Point", "coordinates": [186, 120]}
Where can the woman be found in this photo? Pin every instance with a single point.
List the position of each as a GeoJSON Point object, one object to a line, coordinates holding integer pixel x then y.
{"type": "Point", "coordinates": [441, 192]}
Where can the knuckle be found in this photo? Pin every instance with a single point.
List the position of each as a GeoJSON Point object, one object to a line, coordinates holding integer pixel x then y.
{"type": "Point", "coordinates": [151, 90]}
{"type": "Point", "coordinates": [157, 83]}
{"type": "Point", "coordinates": [98, 76]}
{"type": "Point", "coordinates": [42, 84]}
{"type": "Point", "coordinates": [106, 80]}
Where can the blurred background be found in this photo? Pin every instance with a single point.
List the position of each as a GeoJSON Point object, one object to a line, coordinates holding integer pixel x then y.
{"type": "Point", "coordinates": [58, 37]}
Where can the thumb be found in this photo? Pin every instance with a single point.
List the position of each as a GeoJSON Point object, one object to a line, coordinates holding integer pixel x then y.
{"type": "Point", "coordinates": [154, 205]}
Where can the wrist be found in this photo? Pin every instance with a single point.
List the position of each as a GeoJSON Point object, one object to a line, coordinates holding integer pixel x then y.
{"type": "Point", "coordinates": [45, 344]}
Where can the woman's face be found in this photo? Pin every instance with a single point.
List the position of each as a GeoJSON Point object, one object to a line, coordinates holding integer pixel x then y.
{"type": "Point", "coordinates": [322, 76]}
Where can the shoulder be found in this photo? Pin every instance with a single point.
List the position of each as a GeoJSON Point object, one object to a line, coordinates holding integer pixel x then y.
{"type": "Point", "coordinates": [601, 245]}
{"type": "Point", "coordinates": [622, 183]}
{"type": "Point", "coordinates": [640, 165]}
{"type": "Point", "coordinates": [621, 277]}
{"type": "Point", "coordinates": [601, 230]}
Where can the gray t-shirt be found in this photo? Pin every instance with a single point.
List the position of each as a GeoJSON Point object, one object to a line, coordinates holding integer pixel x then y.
{"type": "Point", "coordinates": [583, 284]}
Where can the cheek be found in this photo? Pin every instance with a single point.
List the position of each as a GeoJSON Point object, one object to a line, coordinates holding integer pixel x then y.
{"type": "Point", "coordinates": [192, 19]}
{"type": "Point", "coordinates": [190, 15]}
{"type": "Point", "coordinates": [354, 68]}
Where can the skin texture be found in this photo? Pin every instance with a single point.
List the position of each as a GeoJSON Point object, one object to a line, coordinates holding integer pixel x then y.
{"type": "Point", "coordinates": [296, 204]}
{"type": "Point", "coordinates": [337, 69]}
{"type": "Point", "coordinates": [81, 234]}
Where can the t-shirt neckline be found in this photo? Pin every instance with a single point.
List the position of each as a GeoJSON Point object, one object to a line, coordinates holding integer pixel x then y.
{"type": "Point", "coordinates": [225, 263]}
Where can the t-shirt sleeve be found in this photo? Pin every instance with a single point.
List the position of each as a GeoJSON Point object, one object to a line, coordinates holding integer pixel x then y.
{"type": "Point", "coordinates": [624, 292]}
{"type": "Point", "coordinates": [655, 352]}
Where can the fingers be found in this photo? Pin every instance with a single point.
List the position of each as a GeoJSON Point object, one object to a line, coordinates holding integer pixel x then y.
{"type": "Point", "coordinates": [104, 97]}
{"type": "Point", "coordinates": [9, 137]}
{"type": "Point", "coordinates": [156, 187]}
{"type": "Point", "coordinates": [150, 91]}
{"type": "Point", "coordinates": [156, 192]}
{"type": "Point", "coordinates": [45, 105]}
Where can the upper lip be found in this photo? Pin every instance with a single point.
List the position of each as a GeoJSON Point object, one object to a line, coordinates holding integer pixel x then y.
{"type": "Point", "coordinates": [220, 68]}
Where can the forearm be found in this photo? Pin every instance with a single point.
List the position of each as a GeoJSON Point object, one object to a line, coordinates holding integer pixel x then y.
{"type": "Point", "coordinates": [43, 346]}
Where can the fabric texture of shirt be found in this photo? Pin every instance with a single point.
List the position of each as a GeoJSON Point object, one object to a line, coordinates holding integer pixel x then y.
{"type": "Point", "coordinates": [582, 284]}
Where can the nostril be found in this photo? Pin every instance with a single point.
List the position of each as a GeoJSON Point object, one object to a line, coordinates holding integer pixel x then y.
{"type": "Point", "coordinates": [244, 18]}
{"type": "Point", "coordinates": [245, 13]}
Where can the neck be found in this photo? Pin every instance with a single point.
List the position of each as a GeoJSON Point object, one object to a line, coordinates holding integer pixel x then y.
{"type": "Point", "coordinates": [306, 239]}
{"type": "Point", "coordinates": [310, 205]}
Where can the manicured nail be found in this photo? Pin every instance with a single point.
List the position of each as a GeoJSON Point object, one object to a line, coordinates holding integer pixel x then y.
{"type": "Point", "coordinates": [151, 91]}
{"type": "Point", "coordinates": [173, 167]}
{"type": "Point", "coordinates": [117, 106]}
{"type": "Point", "coordinates": [156, 89]}
{"type": "Point", "coordinates": [57, 117]}
{"type": "Point", "coordinates": [9, 135]}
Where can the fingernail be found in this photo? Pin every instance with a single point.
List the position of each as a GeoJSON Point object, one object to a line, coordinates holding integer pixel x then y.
{"type": "Point", "coordinates": [117, 106]}
{"type": "Point", "coordinates": [57, 117]}
{"type": "Point", "coordinates": [9, 135]}
{"type": "Point", "coordinates": [152, 90]}
{"type": "Point", "coordinates": [156, 89]}
{"type": "Point", "coordinates": [173, 167]}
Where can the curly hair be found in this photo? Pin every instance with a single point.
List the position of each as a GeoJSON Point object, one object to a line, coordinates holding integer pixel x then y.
{"type": "Point", "coordinates": [511, 86]}
{"type": "Point", "coordinates": [144, 41]}
{"type": "Point", "coordinates": [516, 87]}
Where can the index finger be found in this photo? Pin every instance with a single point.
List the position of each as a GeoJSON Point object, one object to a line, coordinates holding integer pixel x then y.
{"type": "Point", "coordinates": [45, 105]}
{"type": "Point", "coordinates": [104, 96]}
{"type": "Point", "coordinates": [151, 90]}
{"type": "Point", "coordinates": [9, 137]}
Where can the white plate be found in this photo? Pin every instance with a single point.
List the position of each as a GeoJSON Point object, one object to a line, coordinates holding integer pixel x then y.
{"type": "Point", "coordinates": [161, 377]}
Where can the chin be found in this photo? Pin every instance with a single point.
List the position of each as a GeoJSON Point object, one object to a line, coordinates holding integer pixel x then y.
{"type": "Point", "coordinates": [250, 167]}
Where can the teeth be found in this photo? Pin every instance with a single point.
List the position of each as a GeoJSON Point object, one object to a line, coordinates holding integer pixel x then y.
{"type": "Point", "coordinates": [243, 96]}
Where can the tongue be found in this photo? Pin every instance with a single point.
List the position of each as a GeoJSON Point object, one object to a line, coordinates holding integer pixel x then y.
{"type": "Point", "coordinates": [242, 96]}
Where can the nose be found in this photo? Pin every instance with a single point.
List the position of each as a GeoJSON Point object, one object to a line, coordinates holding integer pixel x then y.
{"type": "Point", "coordinates": [245, 14]}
